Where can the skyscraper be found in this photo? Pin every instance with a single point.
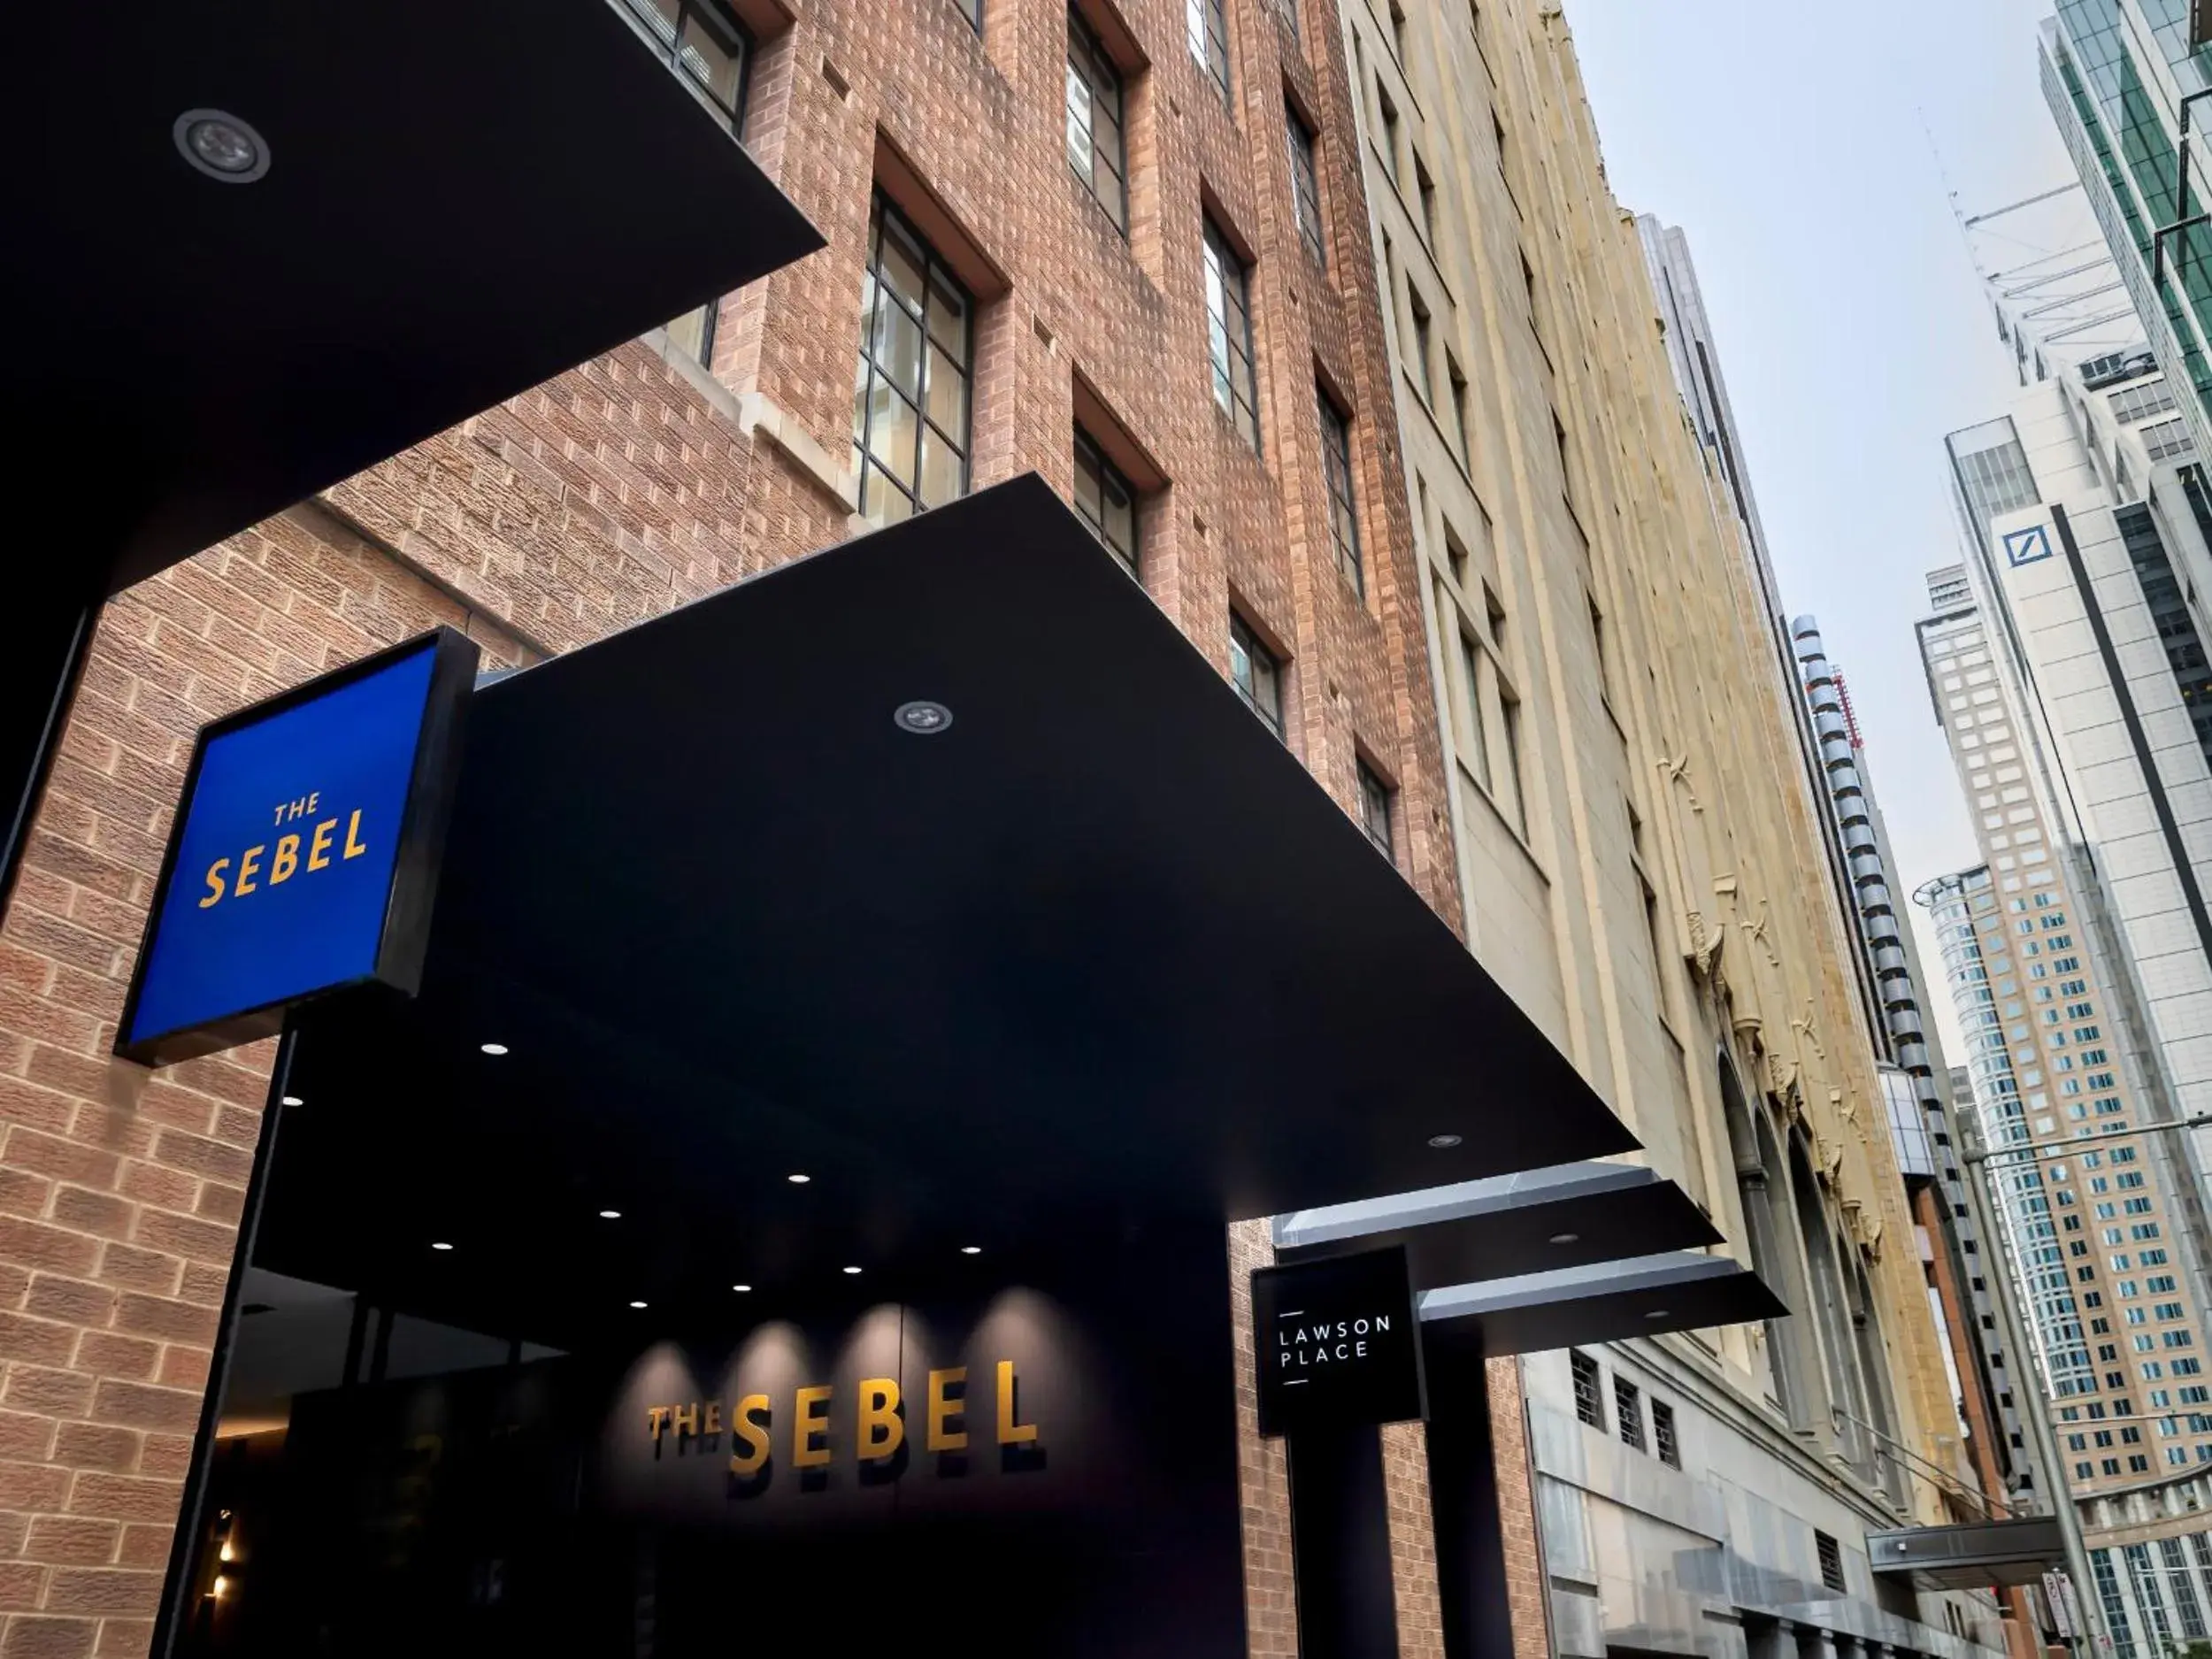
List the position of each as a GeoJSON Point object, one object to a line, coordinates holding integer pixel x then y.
{"type": "Point", "coordinates": [2123, 79]}
{"type": "Point", "coordinates": [2067, 670]}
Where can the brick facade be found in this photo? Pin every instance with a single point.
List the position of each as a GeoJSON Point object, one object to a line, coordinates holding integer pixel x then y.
{"type": "Point", "coordinates": [633, 484]}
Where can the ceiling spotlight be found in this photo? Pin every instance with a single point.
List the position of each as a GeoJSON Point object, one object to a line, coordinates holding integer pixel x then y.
{"type": "Point", "coordinates": [637, 1304]}
{"type": "Point", "coordinates": [1657, 1313]}
{"type": "Point", "coordinates": [740, 1289]}
{"type": "Point", "coordinates": [611, 1215]}
{"type": "Point", "coordinates": [923, 718]}
{"type": "Point", "coordinates": [441, 1246]}
{"type": "Point", "coordinates": [1566, 1238]}
{"type": "Point", "coordinates": [852, 1270]}
{"type": "Point", "coordinates": [970, 1249]}
{"type": "Point", "coordinates": [798, 1180]}
{"type": "Point", "coordinates": [292, 1100]}
{"type": "Point", "coordinates": [220, 145]}
{"type": "Point", "coordinates": [1443, 1143]}
{"type": "Point", "coordinates": [494, 1049]}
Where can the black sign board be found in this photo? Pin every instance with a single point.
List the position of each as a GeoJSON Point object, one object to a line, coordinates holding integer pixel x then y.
{"type": "Point", "coordinates": [1339, 1342]}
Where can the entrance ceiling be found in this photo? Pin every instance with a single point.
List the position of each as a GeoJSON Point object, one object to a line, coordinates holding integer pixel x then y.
{"type": "Point", "coordinates": [1099, 949]}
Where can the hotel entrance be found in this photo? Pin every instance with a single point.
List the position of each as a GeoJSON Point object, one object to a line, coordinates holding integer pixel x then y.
{"type": "Point", "coordinates": [797, 1193]}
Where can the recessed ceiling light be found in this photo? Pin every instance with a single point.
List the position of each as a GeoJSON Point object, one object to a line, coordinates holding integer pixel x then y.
{"type": "Point", "coordinates": [611, 1215]}
{"type": "Point", "coordinates": [1566, 1238]}
{"type": "Point", "coordinates": [220, 145]}
{"type": "Point", "coordinates": [441, 1246]}
{"type": "Point", "coordinates": [293, 1100]}
{"type": "Point", "coordinates": [1443, 1143]}
{"type": "Point", "coordinates": [492, 1048]}
{"type": "Point", "coordinates": [923, 718]}
{"type": "Point", "coordinates": [1657, 1313]}
{"type": "Point", "coordinates": [740, 1289]}
{"type": "Point", "coordinates": [798, 1180]}
{"type": "Point", "coordinates": [970, 1249]}
{"type": "Point", "coordinates": [637, 1304]}
{"type": "Point", "coordinates": [852, 1270]}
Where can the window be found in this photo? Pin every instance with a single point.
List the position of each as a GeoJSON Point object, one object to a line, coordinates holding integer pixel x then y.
{"type": "Point", "coordinates": [1256, 672]}
{"type": "Point", "coordinates": [1336, 468]}
{"type": "Point", "coordinates": [1458, 383]}
{"type": "Point", "coordinates": [1387, 131]}
{"type": "Point", "coordinates": [1305, 186]}
{"type": "Point", "coordinates": [910, 393]}
{"type": "Point", "coordinates": [1476, 749]}
{"type": "Point", "coordinates": [1830, 1556]}
{"type": "Point", "coordinates": [1096, 149]}
{"type": "Point", "coordinates": [1374, 811]}
{"type": "Point", "coordinates": [705, 45]}
{"type": "Point", "coordinates": [1206, 26]}
{"type": "Point", "coordinates": [1663, 1435]}
{"type": "Point", "coordinates": [1589, 1404]}
{"type": "Point", "coordinates": [1229, 333]}
{"type": "Point", "coordinates": [1104, 500]}
{"type": "Point", "coordinates": [1423, 344]}
{"type": "Point", "coordinates": [692, 332]}
{"type": "Point", "coordinates": [1628, 1412]}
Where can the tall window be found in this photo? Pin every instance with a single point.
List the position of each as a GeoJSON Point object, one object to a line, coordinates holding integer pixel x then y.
{"type": "Point", "coordinates": [1336, 467]}
{"type": "Point", "coordinates": [1257, 674]}
{"type": "Point", "coordinates": [1206, 26]}
{"type": "Point", "coordinates": [1589, 1404]}
{"type": "Point", "coordinates": [1386, 130]}
{"type": "Point", "coordinates": [1096, 149]}
{"type": "Point", "coordinates": [1663, 1435]}
{"type": "Point", "coordinates": [910, 391]}
{"type": "Point", "coordinates": [972, 10]}
{"type": "Point", "coordinates": [1305, 186]}
{"type": "Point", "coordinates": [1628, 1412]}
{"type": "Point", "coordinates": [705, 45]}
{"type": "Point", "coordinates": [1229, 335]}
{"type": "Point", "coordinates": [1424, 344]}
{"type": "Point", "coordinates": [1104, 501]}
{"type": "Point", "coordinates": [1374, 811]}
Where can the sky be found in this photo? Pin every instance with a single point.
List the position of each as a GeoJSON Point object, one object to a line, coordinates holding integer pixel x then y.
{"type": "Point", "coordinates": [1812, 154]}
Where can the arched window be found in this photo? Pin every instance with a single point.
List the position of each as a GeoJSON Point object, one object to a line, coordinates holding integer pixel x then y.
{"type": "Point", "coordinates": [1760, 1189]}
{"type": "Point", "coordinates": [1839, 1353]}
{"type": "Point", "coordinates": [1874, 1367]}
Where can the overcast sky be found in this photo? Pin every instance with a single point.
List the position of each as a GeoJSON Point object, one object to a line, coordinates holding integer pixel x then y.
{"type": "Point", "coordinates": [1798, 146]}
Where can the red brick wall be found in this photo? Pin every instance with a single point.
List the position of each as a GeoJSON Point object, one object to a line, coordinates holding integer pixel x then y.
{"type": "Point", "coordinates": [609, 494]}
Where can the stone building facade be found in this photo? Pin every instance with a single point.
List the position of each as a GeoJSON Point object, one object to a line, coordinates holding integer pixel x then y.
{"type": "Point", "coordinates": [1642, 860]}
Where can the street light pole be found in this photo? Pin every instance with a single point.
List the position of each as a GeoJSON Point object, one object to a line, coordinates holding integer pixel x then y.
{"type": "Point", "coordinates": [2089, 1612]}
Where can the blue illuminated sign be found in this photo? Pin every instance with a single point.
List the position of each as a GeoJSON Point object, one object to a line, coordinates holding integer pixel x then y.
{"type": "Point", "coordinates": [304, 852]}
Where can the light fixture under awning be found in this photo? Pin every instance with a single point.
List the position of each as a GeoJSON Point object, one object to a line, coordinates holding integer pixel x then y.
{"type": "Point", "coordinates": [1608, 1302]}
{"type": "Point", "coordinates": [1569, 1215]}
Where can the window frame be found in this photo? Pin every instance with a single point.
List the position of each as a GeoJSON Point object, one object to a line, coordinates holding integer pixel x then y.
{"type": "Point", "coordinates": [1340, 482]}
{"type": "Point", "coordinates": [1589, 1388]}
{"type": "Point", "coordinates": [719, 18]}
{"type": "Point", "coordinates": [1229, 322]}
{"type": "Point", "coordinates": [1245, 641]}
{"type": "Point", "coordinates": [1628, 1413]}
{"type": "Point", "coordinates": [1305, 184]}
{"type": "Point", "coordinates": [1101, 76]}
{"type": "Point", "coordinates": [887, 221]}
{"type": "Point", "coordinates": [1091, 454]}
{"type": "Point", "coordinates": [1206, 34]}
{"type": "Point", "coordinates": [1377, 809]}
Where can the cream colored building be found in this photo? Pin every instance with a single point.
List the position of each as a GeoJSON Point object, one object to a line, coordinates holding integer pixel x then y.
{"type": "Point", "coordinates": [1642, 866]}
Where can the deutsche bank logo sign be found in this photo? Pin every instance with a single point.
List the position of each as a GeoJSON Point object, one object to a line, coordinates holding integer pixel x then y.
{"type": "Point", "coordinates": [2025, 547]}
